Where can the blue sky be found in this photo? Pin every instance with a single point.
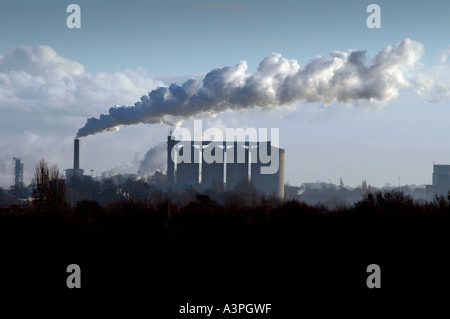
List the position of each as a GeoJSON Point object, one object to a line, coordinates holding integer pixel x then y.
{"type": "Point", "coordinates": [156, 35]}
{"type": "Point", "coordinates": [127, 48]}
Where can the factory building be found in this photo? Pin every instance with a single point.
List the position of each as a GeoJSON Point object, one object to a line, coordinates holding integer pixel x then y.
{"type": "Point", "coordinates": [213, 173]}
{"type": "Point", "coordinates": [441, 181]}
{"type": "Point", "coordinates": [237, 162]}
{"type": "Point", "coordinates": [213, 163]}
{"type": "Point", "coordinates": [188, 171]}
{"type": "Point", "coordinates": [269, 183]}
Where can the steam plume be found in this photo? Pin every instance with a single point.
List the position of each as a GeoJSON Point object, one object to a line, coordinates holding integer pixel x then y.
{"type": "Point", "coordinates": [344, 77]}
{"type": "Point", "coordinates": [154, 159]}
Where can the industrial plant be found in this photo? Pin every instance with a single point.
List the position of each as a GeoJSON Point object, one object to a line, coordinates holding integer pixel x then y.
{"type": "Point", "coordinates": [234, 163]}
{"type": "Point", "coordinates": [225, 173]}
{"type": "Point", "coordinates": [440, 182]}
{"type": "Point", "coordinates": [228, 169]}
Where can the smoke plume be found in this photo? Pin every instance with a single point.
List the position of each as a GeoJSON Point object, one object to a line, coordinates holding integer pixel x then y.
{"type": "Point", "coordinates": [154, 159]}
{"type": "Point", "coordinates": [344, 77]}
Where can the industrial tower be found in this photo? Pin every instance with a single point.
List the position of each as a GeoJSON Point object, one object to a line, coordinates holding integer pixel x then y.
{"type": "Point", "coordinates": [18, 173]}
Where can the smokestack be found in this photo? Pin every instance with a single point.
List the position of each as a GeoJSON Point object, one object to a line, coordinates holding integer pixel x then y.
{"type": "Point", "coordinates": [76, 154]}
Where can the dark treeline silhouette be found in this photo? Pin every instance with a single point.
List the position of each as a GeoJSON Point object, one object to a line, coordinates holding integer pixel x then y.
{"type": "Point", "coordinates": [262, 232]}
{"type": "Point", "coordinates": [333, 196]}
{"type": "Point", "coordinates": [185, 243]}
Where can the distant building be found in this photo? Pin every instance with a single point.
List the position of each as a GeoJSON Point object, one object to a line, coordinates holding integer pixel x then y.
{"type": "Point", "coordinates": [441, 181]}
{"type": "Point", "coordinates": [233, 163]}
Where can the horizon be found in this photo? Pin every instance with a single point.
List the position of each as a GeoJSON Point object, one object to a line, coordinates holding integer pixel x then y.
{"type": "Point", "coordinates": [53, 79]}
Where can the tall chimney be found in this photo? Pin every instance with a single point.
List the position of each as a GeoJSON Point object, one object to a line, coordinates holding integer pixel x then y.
{"type": "Point", "coordinates": [76, 154]}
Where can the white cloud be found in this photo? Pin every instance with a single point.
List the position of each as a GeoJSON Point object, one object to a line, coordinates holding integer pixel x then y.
{"type": "Point", "coordinates": [444, 54]}
{"type": "Point", "coordinates": [39, 61]}
{"type": "Point", "coordinates": [32, 75]}
{"type": "Point", "coordinates": [434, 83]}
{"type": "Point", "coordinates": [45, 97]}
{"type": "Point", "coordinates": [154, 159]}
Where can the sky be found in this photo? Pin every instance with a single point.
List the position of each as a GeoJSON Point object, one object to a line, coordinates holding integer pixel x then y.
{"type": "Point", "coordinates": [350, 102]}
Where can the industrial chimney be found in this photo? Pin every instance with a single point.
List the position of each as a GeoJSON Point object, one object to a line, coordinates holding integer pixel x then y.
{"type": "Point", "coordinates": [76, 154]}
{"type": "Point", "coordinates": [71, 172]}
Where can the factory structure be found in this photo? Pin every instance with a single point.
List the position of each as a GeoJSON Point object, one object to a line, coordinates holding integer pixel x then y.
{"type": "Point", "coordinates": [234, 163]}
{"type": "Point", "coordinates": [18, 173]}
{"type": "Point", "coordinates": [76, 170]}
{"type": "Point", "coordinates": [440, 182]}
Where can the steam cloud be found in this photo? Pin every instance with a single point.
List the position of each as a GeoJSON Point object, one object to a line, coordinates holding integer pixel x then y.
{"type": "Point", "coordinates": [343, 77]}
{"type": "Point", "coordinates": [3, 166]}
{"type": "Point", "coordinates": [154, 159]}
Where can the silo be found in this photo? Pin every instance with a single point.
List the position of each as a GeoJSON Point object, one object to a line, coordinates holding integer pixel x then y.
{"type": "Point", "coordinates": [268, 184]}
{"type": "Point", "coordinates": [188, 172]}
{"type": "Point", "coordinates": [237, 164]}
{"type": "Point", "coordinates": [265, 183]}
{"type": "Point", "coordinates": [213, 173]}
{"type": "Point", "coordinates": [170, 163]}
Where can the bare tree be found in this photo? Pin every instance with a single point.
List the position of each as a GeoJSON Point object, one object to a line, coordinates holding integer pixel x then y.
{"type": "Point", "coordinates": [49, 188]}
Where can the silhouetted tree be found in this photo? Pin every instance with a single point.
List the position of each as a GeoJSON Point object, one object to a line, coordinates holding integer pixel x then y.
{"type": "Point", "coordinates": [19, 192]}
{"type": "Point", "coordinates": [82, 188]}
{"type": "Point", "coordinates": [385, 202]}
{"type": "Point", "coordinates": [442, 201]}
{"type": "Point", "coordinates": [88, 209]}
{"type": "Point", "coordinates": [136, 189]}
{"type": "Point", "coordinates": [3, 198]}
{"type": "Point", "coordinates": [49, 188]}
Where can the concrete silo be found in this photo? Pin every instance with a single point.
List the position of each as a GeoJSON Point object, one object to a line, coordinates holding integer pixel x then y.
{"type": "Point", "coordinates": [236, 164]}
{"type": "Point", "coordinates": [213, 171]}
{"type": "Point", "coordinates": [187, 171]}
{"type": "Point", "coordinates": [269, 184]}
